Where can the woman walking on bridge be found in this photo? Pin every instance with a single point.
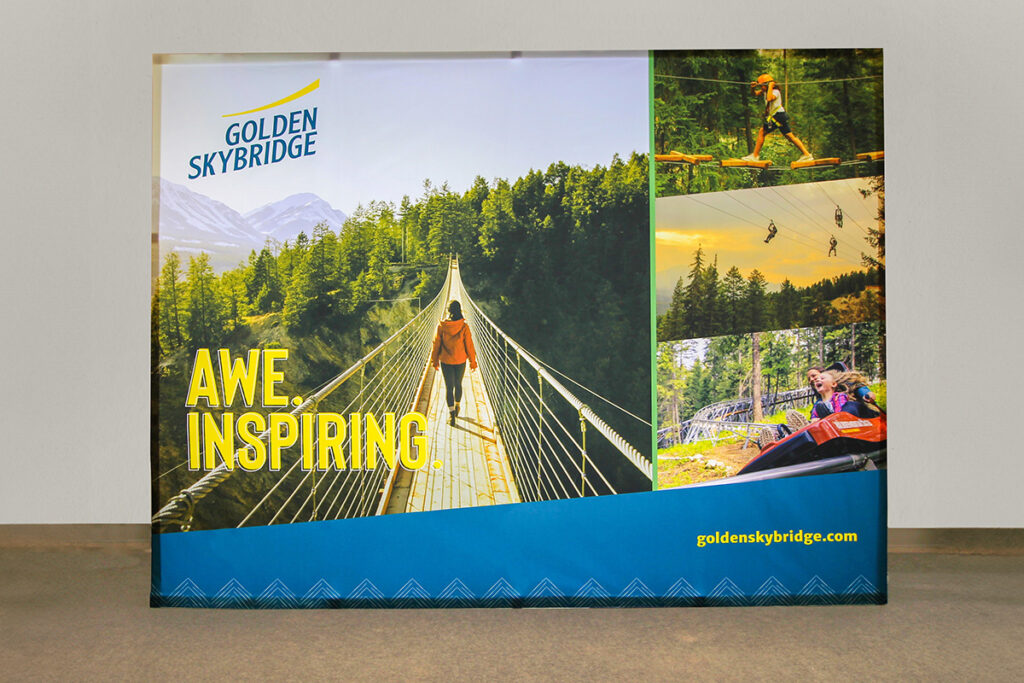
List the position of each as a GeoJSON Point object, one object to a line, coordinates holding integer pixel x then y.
{"type": "Point", "coordinates": [453, 346]}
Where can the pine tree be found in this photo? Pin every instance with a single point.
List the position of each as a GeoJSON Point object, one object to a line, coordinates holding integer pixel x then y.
{"type": "Point", "coordinates": [232, 286]}
{"type": "Point", "coordinates": [755, 303]}
{"type": "Point", "coordinates": [733, 292]}
{"type": "Point", "coordinates": [308, 299]}
{"type": "Point", "coordinates": [170, 302]}
{"type": "Point", "coordinates": [205, 324]}
{"type": "Point", "coordinates": [787, 306]}
{"type": "Point", "coordinates": [711, 322]}
{"type": "Point", "coordinates": [262, 285]}
{"type": "Point", "coordinates": [755, 377]}
{"type": "Point", "coordinates": [671, 327]}
{"type": "Point", "coordinates": [693, 313]}
{"type": "Point", "coordinates": [498, 221]}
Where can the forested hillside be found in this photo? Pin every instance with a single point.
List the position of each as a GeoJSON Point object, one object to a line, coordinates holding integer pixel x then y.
{"type": "Point", "coordinates": [706, 304]}
{"type": "Point", "coordinates": [558, 258]}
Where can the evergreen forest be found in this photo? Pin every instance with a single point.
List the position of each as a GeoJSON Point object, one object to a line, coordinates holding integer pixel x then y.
{"type": "Point", "coordinates": [558, 258]}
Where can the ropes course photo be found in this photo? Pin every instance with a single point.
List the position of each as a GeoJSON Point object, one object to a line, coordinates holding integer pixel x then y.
{"type": "Point", "coordinates": [751, 118]}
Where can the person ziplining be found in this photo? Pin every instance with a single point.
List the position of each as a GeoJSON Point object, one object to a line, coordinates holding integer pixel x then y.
{"type": "Point", "coordinates": [772, 231]}
{"type": "Point", "coordinates": [832, 246]}
{"type": "Point", "coordinates": [839, 216]}
{"type": "Point", "coordinates": [775, 118]}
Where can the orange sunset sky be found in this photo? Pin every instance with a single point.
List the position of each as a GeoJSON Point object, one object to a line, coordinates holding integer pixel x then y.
{"type": "Point", "coordinates": [732, 226]}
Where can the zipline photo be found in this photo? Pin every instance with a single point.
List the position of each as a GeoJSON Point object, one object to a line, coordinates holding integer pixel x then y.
{"type": "Point", "coordinates": [770, 258]}
{"type": "Point", "coordinates": [752, 118]}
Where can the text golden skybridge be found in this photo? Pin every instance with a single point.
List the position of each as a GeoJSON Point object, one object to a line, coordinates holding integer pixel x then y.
{"type": "Point", "coordinates": [263, 140]}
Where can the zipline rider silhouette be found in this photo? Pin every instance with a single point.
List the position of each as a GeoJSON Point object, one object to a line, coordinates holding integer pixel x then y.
{"type": "Point", "coordinates": [453, 346]}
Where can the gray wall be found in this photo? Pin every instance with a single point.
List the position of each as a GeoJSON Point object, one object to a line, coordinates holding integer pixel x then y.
{"type": "Point", "coordinates": [75, 155]}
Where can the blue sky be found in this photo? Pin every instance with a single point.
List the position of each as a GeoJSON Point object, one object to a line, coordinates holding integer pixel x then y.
{"type": "Point", "coordinates": [387, 123]}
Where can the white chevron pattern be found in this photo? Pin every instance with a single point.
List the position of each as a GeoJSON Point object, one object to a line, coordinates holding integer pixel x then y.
{"type": "Point", "coordinates": [502, 593]}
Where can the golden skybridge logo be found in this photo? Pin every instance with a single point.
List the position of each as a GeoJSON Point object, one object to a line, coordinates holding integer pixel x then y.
{"type": "Point", "coordinates": [261, 140]}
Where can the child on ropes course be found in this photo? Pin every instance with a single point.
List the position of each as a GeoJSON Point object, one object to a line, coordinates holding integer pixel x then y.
{"type": "Point", "coordinates": [775, 118]}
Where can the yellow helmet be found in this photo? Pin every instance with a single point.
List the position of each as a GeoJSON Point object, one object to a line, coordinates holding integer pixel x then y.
{"type": "Point", "coordinates": [765, 78]}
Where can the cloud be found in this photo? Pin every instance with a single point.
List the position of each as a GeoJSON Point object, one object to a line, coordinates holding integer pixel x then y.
{"type": "Point", "coordinates": [671, 238]}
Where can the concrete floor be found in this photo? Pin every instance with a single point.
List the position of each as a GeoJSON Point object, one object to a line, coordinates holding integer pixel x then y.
{"type": "Point", "coordinates": [80, 612]}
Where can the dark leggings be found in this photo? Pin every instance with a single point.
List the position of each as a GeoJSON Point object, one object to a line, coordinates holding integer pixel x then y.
{"type": "Point", "coordinates": [453, 382]}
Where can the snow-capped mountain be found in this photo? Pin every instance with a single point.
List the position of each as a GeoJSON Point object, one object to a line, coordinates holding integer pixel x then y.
{"type": "Point", "coordinates": [191, 223]}
{"type": "Point", "coordinates": [190, 217]}
{"type": "Point", "coordinates": [283, 220]}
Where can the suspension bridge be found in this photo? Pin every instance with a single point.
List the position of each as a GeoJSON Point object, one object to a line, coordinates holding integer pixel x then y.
{"type": "Point", "coordinates": [521, 436]}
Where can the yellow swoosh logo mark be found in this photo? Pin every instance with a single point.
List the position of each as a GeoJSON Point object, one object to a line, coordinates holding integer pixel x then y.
{"type": "Point", "coordinates": [294, 96]}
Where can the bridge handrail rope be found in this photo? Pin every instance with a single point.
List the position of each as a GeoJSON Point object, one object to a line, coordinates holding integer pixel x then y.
{"type": "Point", "coordinates": [613, 437]}
{"type": "Point", "coordinates": [559, 439]}
{"type": "Point", "coordinates": [552, 439]}
{"type": "Point", "coordinates": [592, 392]}
{"type": "Point", "coordinates": [179, 508]}
{"type": "Point", "coordinates": [393, 393]}
{"type": "Point", "coordinates": [521, 420]}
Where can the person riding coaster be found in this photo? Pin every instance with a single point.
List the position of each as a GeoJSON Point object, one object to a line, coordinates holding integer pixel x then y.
{"type": "Point", "coordinates": [858, 428]}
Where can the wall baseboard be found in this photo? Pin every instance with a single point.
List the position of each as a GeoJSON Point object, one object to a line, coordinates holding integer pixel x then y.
{"type": "Point", "coordinates": [959, 541]}
{"type": "Point", "coordinates": [1009, 541]}
{"type": "Point", "coordinates": [52, 535]}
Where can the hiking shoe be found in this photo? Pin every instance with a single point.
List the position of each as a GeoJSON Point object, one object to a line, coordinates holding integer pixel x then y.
{"type": "Point", "coordinates": [768, 435]}
{"type": "Point", "coordinates": [795, 420]}
{"type": "Point", "coordinates": [806, 157]}
{"type": "Point", "coordinates": [750, 157]}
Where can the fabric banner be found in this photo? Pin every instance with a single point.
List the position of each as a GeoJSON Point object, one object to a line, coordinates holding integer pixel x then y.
{"type": "Point", "coordinates": [520, 330]}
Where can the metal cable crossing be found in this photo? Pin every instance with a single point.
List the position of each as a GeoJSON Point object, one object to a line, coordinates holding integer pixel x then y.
{"type": "Point", "coordinates": [383, 381]}
{"type": "Point", "coordinates": [557, 446]}
{"type": "Point", "coordinates": [550, 435]}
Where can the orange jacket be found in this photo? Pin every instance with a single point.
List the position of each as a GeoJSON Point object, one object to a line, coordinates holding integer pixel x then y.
{"type": "Point", "coordinates": [453, 344]}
